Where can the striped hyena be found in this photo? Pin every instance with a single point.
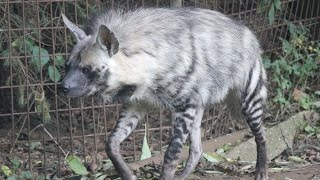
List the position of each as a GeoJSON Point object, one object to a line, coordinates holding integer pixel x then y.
{"type": "Point", "coordinates": [181, 59]}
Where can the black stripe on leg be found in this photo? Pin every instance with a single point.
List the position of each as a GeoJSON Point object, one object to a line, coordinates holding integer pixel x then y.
{"type": "Point", "coordinates": [186, 115]}
{"type": "Point", "coordinates": [248, 84]}
{"type": "Point", "coordinates": [253, 94]}
{"type": "Point", "coordinates": [254, 118]}
{"type": "Point", "coordinates": [254, 111]}
{"type": "Point", "coordinates": [255, 103]}
{"type": "Point", "coordinates": [122, 116]}
{"type": "Point", "coordinates": [134, 116]}
{"type": "Point", "coordinates": [182, 123]}
{"type": "Point", "coordinates": [255, 129]}
{"type": "Point", "coordinates": [175, 142]}
{"type": "Point", "coordinates": [172, 153]}
{"type": "Point", "coordinates": [117, 126]}
{"type": "Point", "coordinates": [245, 109]}
{"type": "Point", "coordinates": [177, 133]}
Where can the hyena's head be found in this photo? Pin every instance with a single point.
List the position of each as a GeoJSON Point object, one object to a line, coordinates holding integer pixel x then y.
{"type": "Point", "coordinates": [87, 68]}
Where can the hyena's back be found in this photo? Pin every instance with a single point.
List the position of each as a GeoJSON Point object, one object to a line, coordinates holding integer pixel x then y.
{"type": "Point", "coordinates": [188, 52]}
{"type": "Point", "coordinates": [183, 59]}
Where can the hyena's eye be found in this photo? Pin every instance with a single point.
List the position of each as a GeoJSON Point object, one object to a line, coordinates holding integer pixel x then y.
{"type": "Point", "coordinates": [85, 70]}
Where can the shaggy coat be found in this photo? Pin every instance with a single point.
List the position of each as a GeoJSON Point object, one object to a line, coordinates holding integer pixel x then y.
{"type": "Point", "coordinates": [181, 59]}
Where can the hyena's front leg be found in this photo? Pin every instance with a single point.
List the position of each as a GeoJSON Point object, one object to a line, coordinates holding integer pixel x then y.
{"type": "Point", "coordinates": [127, 122]}
{"type": "Point", "coordinates": [181, 125]}
{"type": "Point", "coordinates": [195, 150]}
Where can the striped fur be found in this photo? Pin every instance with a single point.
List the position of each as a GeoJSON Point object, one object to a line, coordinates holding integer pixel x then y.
{"type": "Point", "coordinates": [181, 59]}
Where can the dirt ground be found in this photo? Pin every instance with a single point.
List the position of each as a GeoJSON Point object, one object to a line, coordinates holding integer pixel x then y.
{"type": "Point", "coordinates": [310, 172]}
{"type": "Point", "coordinates": [306, 147]}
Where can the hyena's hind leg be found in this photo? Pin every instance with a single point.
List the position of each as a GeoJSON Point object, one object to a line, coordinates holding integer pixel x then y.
{"type": "Point", "coordinates": [128, 120]}
{"type": "Point", "coordinates": [253, 100]}
{"type": "Point", "coordinates": [182, 120]}
{"type": "Point", "coordinates": [195, 150]}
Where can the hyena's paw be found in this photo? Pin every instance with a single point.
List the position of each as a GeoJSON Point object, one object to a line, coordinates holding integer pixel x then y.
{"type": "Point", "coordinates": [133, 177]}
{"type": "Point", "coordinates": [167, 177]}
{"type": "Point", "coordinates": [179, 177]}
{"type": "Point", "coordinates": [261, 175]}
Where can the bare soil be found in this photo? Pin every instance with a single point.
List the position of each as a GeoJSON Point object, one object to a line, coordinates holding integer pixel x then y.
{"type": "Point", "coordinates": [305, 147]}
{"type": "Point", "coordinates": [309, 172]}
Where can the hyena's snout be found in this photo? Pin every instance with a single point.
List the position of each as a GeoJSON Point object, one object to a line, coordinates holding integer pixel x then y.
{"type": "Point", "coordinates": [65, 87]}
{"type": "Point", "coordinates": [67, 84]}
{"type": "Point", "coordinates": [74, 84]}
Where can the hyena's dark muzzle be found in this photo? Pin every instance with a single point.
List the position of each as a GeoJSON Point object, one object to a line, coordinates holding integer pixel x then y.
{"type": "Point", "coordinates": [75, 83]}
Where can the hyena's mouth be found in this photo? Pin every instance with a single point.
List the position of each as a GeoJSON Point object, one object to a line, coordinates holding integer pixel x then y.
{"type": "Point", "coordinates": [77, 92]}
{"type": "Point", "coordinates": [126, 91]}
{"type": "Point", "coordinates": [123, 93]}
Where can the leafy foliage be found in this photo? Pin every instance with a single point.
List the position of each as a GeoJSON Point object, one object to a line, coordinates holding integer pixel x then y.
{"type": "Point", "coordinates": [76, 165]}
{"type": "Point", "coordinates": [310, 130]}
{"type": "Point", "coordinates": [294, 69]}
{"type": "Point", "coordinates": [39, 62]}
{"type": "Point", "coordinates": [146, 153]}
{"type": "Point", "coordinates": [274, 6]}
{"type": "Point", "coordinates": [14, 173]}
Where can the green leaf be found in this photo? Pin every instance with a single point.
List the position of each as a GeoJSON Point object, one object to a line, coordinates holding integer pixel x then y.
{"type": "Point", "coordinates": [305, 102]}
{"type": "Point", "coordinates": [277, 170]}
{"type": "Point", "coordinates": [102, 177]}
{"type": "Point", "coordinates": [267, 62]}
{"type": "Point", "coordinates": [146, 153]}
{"type": "Point", "coordinates": [220, 151]}
{"type": "Point", "coordinates": [13, 177]}
{"type": "Point", "coordinates": [271, 14]}
{"type": "Point", "coordinates": [5, 54]}
{"type": "Point", "coordinates": [309, 129]}
{"type": "Point", "coordinates": [42, 106]}
{"type": "Point", "coordinates": [21, 94]}
{"type": "Point", "coordinates": [22, 45]}
{"type": "Point", "coordinates": [34, 145]}
{"type": "Point", "coordinates": [42, 177]}
{"type": "Point", "coordinates": [226, 147]}
{"type": "Point", "coordinates": [26, 175]}
{"type": "Point", "coordinates": [316, 104]}
{"type": "Point", "coordinates": [76, 165]}
{"type": "Point", "coordinates": [296, 159]}
{"type": "Point", "coordinates": [213, 172]}
{"type": "Point", "coordinates": [213, 157]}
{"type": "Point", "coordinates": [59, 60]}
{"type": "Point", "coordinates": [54, 74]}
{"type": "Point", "coordinates": [286, 46]}
{"type": "Point", "coordinates": [40, 57]}
{"type": "Point", "coordinates": [16, 163]}
{"type": "Point", "coordinates": [107, 164]}
{"type": "Point", "coordinates": [6, 170]}
{"type": "Point", "coordinates": [277, 4]}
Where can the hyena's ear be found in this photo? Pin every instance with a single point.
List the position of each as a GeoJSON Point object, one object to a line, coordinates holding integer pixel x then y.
{"type": "Point", "coordinates": [76, 31]}
{"type": "Point", "coordinates": [107, 40]}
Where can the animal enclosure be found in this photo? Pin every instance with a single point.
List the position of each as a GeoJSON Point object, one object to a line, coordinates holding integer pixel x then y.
{"type": "Point", "coordinates": [39, 126]}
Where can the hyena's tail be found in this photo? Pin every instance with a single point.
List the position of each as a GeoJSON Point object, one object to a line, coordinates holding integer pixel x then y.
{"type": "Point", "coordinates": [253, 99]}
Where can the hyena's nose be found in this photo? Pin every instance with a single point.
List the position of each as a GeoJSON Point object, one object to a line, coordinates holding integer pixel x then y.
{"type": "Point", "coordinates": [66, 87]}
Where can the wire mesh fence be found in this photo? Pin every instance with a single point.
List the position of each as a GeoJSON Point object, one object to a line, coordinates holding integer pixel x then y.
{"type": "Point", "coordinates": [39, 126]}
